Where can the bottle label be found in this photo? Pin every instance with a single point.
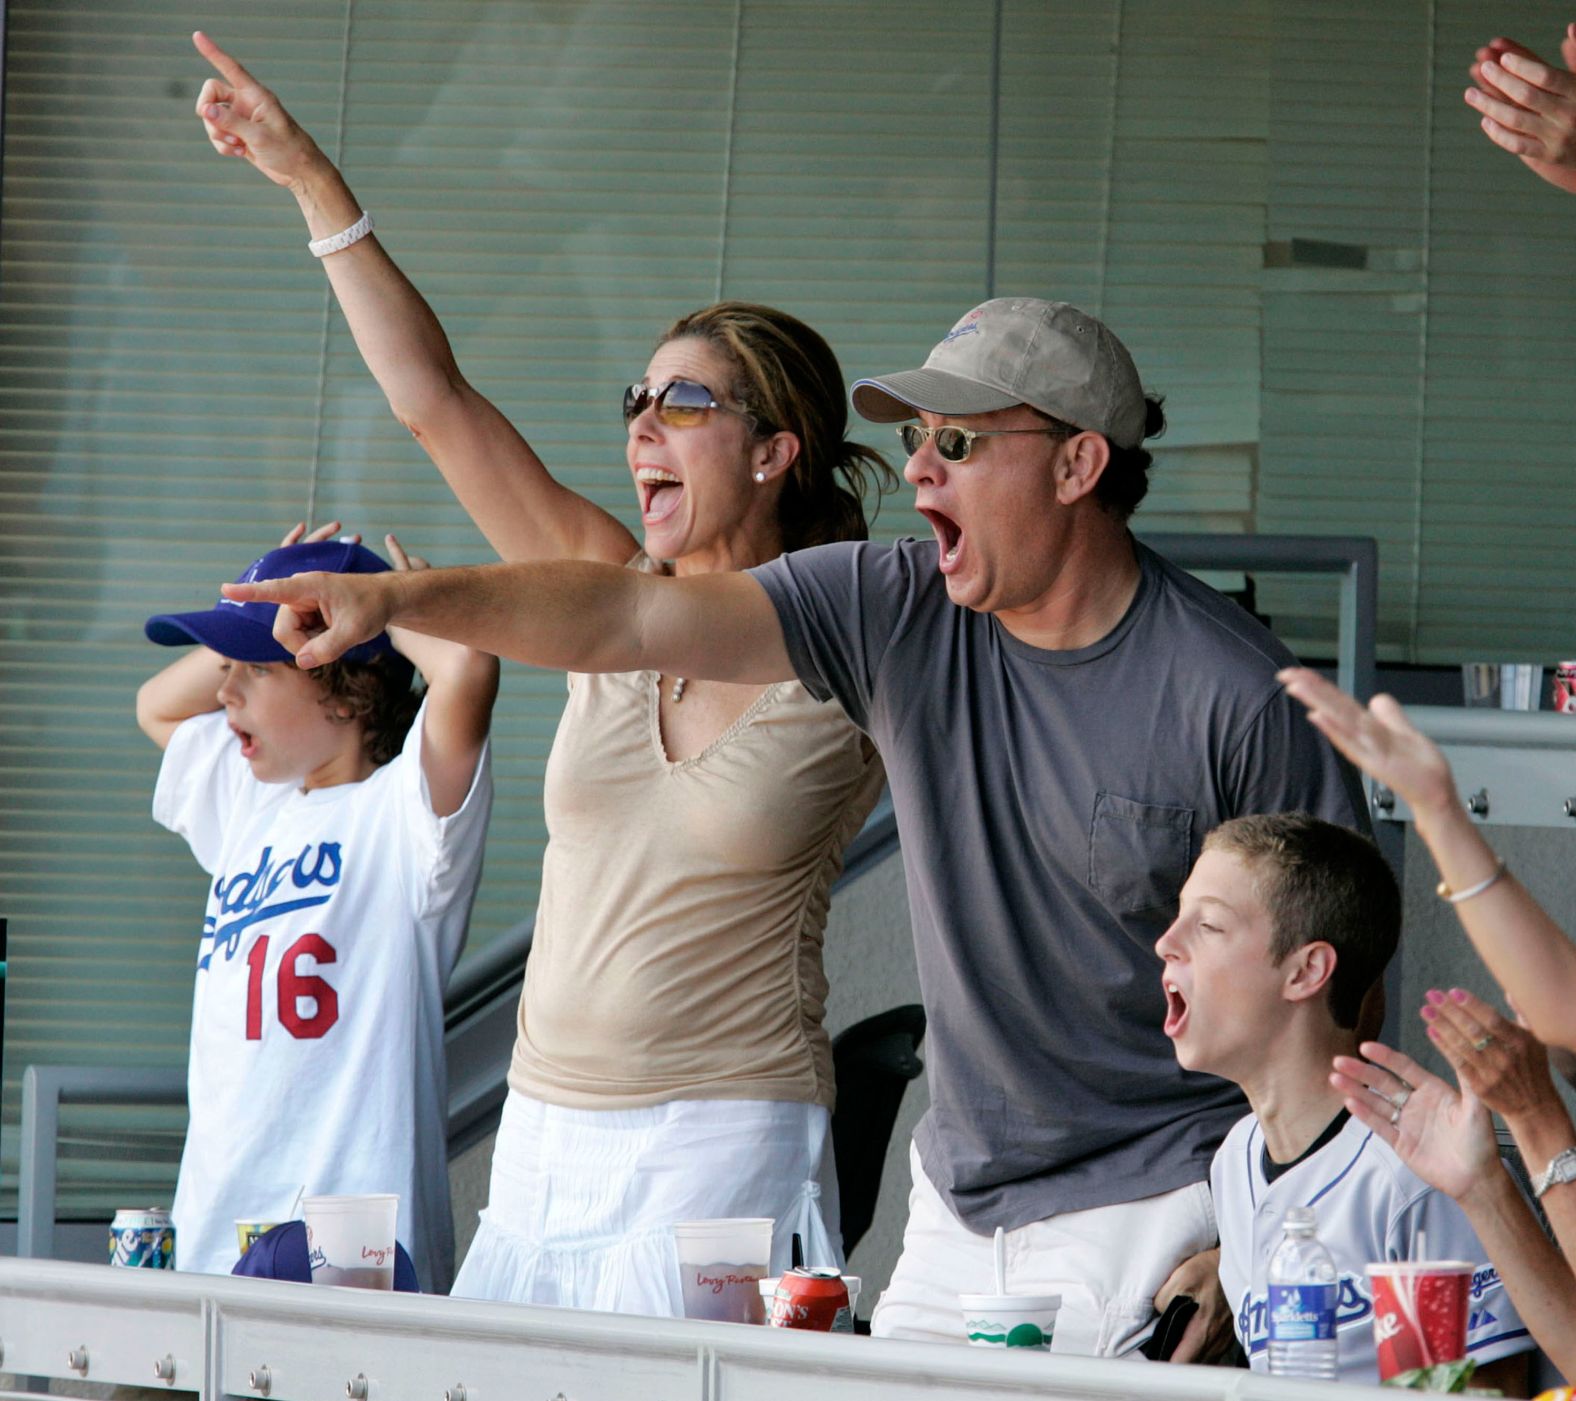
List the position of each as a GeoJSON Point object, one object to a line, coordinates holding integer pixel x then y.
{"type": "Point", "coordinates": [1302, 1313]}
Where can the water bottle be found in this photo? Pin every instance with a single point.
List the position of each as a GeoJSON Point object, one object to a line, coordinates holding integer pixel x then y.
{"type": "Point", "coordinates": [1302, 1293]}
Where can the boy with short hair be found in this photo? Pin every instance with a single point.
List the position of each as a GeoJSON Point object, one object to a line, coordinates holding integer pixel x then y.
{"type": "Point", "coordinates": [342, 819]}
{"type": "Point", "coordinates": [1285, 924]}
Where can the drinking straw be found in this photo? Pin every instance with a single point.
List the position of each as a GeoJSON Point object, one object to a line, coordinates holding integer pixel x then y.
{"type": "Point", "coordinates": [295, 1206]}
{"type": "Point", "coordinates": [796, 1260]}
{"type": "Point", "coordinates": [999, 1249]}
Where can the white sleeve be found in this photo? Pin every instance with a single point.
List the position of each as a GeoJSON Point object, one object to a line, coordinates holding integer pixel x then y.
{"type": "Point", "coordinates": [201, 778]}
{"type": "Point", "coordinates": [444, 853]}
{"type": "Point", "coordinates": [1494, 1328]}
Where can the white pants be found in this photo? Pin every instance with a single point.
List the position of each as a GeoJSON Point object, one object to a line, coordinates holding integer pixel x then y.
{"type": "Point", "coordinates": [1107, 1263]}
{"type": "Point", "coordinates": [582, 1202]}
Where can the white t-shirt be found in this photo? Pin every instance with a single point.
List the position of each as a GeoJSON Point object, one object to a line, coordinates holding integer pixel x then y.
{"type": "Point", "coordinates": [333, 921]}
{"type": "Point", "coordinates": [1370, 1207]}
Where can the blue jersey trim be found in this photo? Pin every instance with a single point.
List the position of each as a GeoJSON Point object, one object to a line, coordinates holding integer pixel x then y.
{"type": "Point", "coordinates": [1336, 1180]}
{"type": "Point", "coordinates": [1499, 1338]}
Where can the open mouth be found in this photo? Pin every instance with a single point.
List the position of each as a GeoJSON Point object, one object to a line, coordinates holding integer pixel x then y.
{"type": "Point", "coordinates": [949, 536]}
{"type": "Point", "coordinates": [248, 741]}
{"type": "Point", "coordinates": [1176, 1010]}
{"type": "Point", "coordinates": [660, 494]}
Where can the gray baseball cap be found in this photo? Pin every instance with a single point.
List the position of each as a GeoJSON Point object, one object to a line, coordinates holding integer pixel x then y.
{"type": "Point", "coordinates": [1019, 350]}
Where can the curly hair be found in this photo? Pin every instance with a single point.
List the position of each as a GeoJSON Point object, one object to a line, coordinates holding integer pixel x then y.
{"type": "Point", "coordinates": [787, 379]}
{"type": "Point", "coordinates": [378, 693]}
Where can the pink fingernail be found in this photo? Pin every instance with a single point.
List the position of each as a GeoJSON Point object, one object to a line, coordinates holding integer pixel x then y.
{"type": "Point", "coordinates": [1434, 996]}
{"type": "Point", "coordinates": [1433, 1033]}
{"type": "Point", "coordinates": [1457, 995]}
{"type": "Point", "coordinates": [1427, 1013]}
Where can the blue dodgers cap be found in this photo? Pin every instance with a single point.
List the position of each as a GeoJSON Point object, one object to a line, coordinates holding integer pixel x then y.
{"type": "Point", "coordinates": [244, 632]}
{"type": "Point", "coordinates": [282, 1254]}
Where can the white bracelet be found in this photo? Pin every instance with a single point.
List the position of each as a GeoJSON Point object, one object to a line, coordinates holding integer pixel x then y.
{"type": "Point", "coordinates": [334, 243]}
{"type": "Point", "coordinates": [1455, 897]}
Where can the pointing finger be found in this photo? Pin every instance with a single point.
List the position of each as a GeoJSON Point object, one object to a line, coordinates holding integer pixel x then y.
{"type": "Point", "coordinates": [229, 69]}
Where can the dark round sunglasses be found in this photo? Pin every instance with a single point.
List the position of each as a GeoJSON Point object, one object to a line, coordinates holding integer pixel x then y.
{"type": "Point", "coordinates": [680, 403]}
{"type": "Point", "coordinates": [953, 444]}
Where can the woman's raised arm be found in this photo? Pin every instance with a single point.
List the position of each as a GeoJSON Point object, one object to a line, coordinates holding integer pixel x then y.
{"type": "Point", "coordinates": [522, 510]}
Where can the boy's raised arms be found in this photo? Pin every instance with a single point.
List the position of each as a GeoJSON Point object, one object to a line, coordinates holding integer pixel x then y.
{"type": "Point", "coordinates": [462, 684]}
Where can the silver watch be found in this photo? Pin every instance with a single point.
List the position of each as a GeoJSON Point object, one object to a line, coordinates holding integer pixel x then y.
{"type": "Point", "coordinates": [1561, 1168]}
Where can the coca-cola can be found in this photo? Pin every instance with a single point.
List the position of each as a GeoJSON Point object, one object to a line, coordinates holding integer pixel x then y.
{"type": "Point", "coordinates": [1565, 687]}
{"type": "Point", "coordinates": [812, 1299]}
{"type": "Point", "coordinates": [142, 1237]}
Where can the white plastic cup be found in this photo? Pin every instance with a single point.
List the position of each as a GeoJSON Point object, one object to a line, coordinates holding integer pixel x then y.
{"type": "Point", "coordinates": [1010, 1320]}
{"type": "Point", "coordinates": [350, 1240]}
{"type": "Point", "coordinates": [721, 1264]}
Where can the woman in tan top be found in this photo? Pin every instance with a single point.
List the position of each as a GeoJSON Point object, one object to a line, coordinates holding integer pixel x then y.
{"type": "Point", "coordinates": [670, 1062]}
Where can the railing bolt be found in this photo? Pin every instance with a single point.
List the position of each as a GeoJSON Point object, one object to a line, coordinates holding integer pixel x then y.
{"type": "Point", "coordinates": [260, 1380]}
{"type": "Point", "coordinates": [164, 1368]}
{"type": "Point", "coordinates": [77, 1359]}
{"type": "Point", "coordinates": [1477, 804]}
{"type": "Point", "coordinates": [1570, 807]}
{"type": "Point", "coordinates": [455, 1392]}
{"type": "Point", "coordinates": [356, 1387]}
{"type": "Point", "coordinates": [1384, 798]}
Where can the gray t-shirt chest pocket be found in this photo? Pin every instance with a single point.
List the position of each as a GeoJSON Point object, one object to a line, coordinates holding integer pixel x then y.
{"type": "Point", "coordinates": [1139, 853]}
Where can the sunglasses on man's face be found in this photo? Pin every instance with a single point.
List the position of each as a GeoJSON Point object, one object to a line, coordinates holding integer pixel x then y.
{"type": "Point", "coordinates": [680, 403]}
{"type": "Point", "coordinates": [954, 444]}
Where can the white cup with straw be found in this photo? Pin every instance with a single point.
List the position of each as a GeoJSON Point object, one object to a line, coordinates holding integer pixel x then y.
{"type": "Point", "coordinates": [1008, 1320]}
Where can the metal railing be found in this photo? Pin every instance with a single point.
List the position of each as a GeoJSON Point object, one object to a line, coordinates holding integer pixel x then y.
{"type": "Point", "coordinates": [1355, 558]}
{"type": "Point", "coordinates": [44, 1089]}
{"type": "Point", "coordinates": [221, 1337]}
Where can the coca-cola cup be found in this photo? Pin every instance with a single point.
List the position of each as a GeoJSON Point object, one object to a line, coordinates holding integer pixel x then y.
{"type": "Point", "coordinates": [1420, 1313]}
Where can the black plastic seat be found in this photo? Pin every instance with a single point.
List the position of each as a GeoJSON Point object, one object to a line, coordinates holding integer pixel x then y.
{"type": "Point", "coordinates": [874, 1060]}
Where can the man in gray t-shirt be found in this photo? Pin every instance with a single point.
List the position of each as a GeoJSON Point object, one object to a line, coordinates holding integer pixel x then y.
{"type": "Point", "coordinates": [1057, 748]}
{"type": "Point", "coordinates": [1063, 717]}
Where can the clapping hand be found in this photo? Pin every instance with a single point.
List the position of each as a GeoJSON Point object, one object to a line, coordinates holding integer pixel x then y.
{"type": "Point", "coordinates": [1503, 1064]}
{"type": "Point", "coordinates": [1378, 738]}
{"type": "Point", "coordinates": [1528, 106]}
{"type": "Point", "coordinates": [1446, 1137]}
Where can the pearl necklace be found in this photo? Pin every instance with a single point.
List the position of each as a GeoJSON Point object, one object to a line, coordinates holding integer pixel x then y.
{"type": "Point", "coordinates": [679, 683]}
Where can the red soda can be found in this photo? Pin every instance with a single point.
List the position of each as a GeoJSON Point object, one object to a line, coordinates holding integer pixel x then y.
{"type": "Point", "coordinates": [813, 1299]}
{"type": "Point", "coordinates": [1565, 687]}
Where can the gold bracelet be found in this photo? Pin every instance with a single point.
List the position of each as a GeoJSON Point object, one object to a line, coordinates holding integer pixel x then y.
{"type": "Point", "coordinates": [1455, 897]}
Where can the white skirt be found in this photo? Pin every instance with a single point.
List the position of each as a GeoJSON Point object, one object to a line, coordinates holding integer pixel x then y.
{"type": "Point", "coordinates": [582, 1201]}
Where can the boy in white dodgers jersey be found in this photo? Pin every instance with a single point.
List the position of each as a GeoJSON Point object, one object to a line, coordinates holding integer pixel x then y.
{"type": "Point", "coordinates": [1285, 924]}
{"type": "Point", "coordinates": [343, 827]}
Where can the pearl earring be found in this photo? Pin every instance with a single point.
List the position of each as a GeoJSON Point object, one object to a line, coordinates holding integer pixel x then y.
{"type": "Point", "coordinates": [760, 476]}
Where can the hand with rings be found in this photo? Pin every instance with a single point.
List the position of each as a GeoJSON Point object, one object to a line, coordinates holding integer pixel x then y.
{"type": "Point", "coordinates": [1445, 1137]}
{"type": "Point", "coordinates": [1503, 1064]}
{"type": "Point", "coordinates": [1398, 1101]}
